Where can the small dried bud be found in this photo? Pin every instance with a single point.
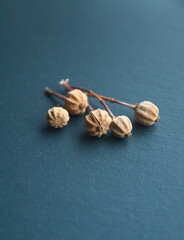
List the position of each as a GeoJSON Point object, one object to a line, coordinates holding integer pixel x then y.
{"type": "Point", "coordinates": [57, 117]}
{"type": "Point", "coordinates": [146, 113]}
{"type": "Point", "coordinates": [121, 126]}
{"type": "Point", "coordinates": [76, 102]}
{"type": "Point", "coordinates": [97, 122]}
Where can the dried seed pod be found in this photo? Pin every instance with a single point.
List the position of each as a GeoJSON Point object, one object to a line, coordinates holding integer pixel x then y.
{"type": "Point", "coordinates": [76, 102]}
{"type": "Point", "coordinates": [97, 122]}
{"type": "Point", "coordinates": [57, 117]}
{"type": "Point", "coordinates": [121, 126]}
{"type": "Point", "coordinates": [146, 113]}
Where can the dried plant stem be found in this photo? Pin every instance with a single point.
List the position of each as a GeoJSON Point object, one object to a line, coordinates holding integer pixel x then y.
{"type": "Point", "coordinates": [113, 100]}
{"type": "Point", "coordinates": [90, 107]}
{"type": "Point", "coordinates": [103, 103]}
{"type": "Point", "coordinates": [51, 92]}
{"type": "Point", "coordinates": [66, 85]}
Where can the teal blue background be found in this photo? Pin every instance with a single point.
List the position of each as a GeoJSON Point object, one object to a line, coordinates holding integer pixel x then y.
{"type": "Point", "coordinates": [63, 184]}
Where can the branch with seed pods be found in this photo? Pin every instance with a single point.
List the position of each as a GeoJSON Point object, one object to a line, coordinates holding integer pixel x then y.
{"type": "Point", "coordinates": [120, 126]}
{"type": "Point", "coordinates": [146, 112]}
{"type": "Point", "coordinates": [98, 121]}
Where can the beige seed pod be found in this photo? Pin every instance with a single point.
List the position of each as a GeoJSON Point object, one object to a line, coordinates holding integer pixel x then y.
{"type": "Point", "coordinates": [57, 117]}
{"type": "Point", "coordinates": [121, 126]}
{"type": "Point", "coordinates": [97, 122]}
{"type": "Point", "coordinates": [146, 113]}
{"type": "Point", "coordinates": [76, 102]}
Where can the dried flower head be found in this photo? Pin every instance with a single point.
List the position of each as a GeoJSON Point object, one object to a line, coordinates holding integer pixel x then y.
{"type": "Point", "coordinates": [146, 113]}
{"type": "Point", "coordinates": [97, 122]}
{"type": "Point", "coordinates": [121, 126]}
{"type": "Point", "coordinates": [76, 102]}
{"type": "Point", "coordinates": [57, 117]}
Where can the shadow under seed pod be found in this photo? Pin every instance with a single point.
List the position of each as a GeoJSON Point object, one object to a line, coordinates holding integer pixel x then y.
{"type": "Point", "coordinates": [108, 141]}
{"type": "Point", "coordinates": [48, 131]}
{"type": "Point", "coordinates": [140, 130]}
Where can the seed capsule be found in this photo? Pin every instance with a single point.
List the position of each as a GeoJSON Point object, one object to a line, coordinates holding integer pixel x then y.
{"type": "Point", "coordinates": [146, 113]}
{"type": "Point", "coordinates": [121, 127]}
{"type": "Point", "coordinates": [57, 117]}
{"type": "Point", "coordinates": [97, 122]}
{"type": "Point", "coordinates": [76, 102]}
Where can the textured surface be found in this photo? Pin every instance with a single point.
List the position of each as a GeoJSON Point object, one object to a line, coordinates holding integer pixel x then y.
{"type": "Point", "coordinates": [63, 184]}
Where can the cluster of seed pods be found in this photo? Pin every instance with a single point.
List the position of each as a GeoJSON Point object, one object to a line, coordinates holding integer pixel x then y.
{"type": "Point", "coordinates": [98, 121]}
